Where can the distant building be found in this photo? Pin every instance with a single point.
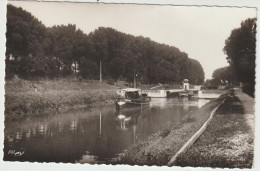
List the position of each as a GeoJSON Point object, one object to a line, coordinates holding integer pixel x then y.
{"type": "Point", "coordinates": [75, 67]}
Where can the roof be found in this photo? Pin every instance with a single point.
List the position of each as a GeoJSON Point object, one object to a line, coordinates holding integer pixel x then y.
{"type": "Point", "coordinates": [185, 80]}
{"type": "Point", "coordinates": [131, 89]}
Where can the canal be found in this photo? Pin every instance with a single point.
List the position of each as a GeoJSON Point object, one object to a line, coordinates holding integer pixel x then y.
{"type": "Point", "coordinates": [91, 135]}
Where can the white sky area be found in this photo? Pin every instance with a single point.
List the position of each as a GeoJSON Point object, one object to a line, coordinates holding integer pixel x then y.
{"type": "Point", "coordinates": [199, 31]}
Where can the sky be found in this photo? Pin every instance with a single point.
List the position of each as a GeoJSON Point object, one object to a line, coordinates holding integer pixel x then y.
{"type": "Point", "coordinates": [199, 31]}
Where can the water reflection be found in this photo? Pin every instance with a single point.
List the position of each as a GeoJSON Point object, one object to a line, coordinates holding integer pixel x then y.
{"type": "Point", "coordinates": [185, 103]}
{"type": "Point", "coordinates": [73, 125]}
{"type": "Point", "coordinates": [202, 102]}
{"type": "Point", "coordinates": [42, 129]}
{"type": "Point", "coordinates": [86, 158]}
{"type": "Point", "coordinates": [18, 135]}
{"type": "Point", "coordinates": [93, 135]}
{"type": "Point", "coordinates": [159, 102]}
{"type": "Point", "coordinates": [28, 133]}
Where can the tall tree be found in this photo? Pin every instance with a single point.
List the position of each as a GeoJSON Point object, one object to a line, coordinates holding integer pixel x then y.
{"type": "Point", "coordinates": [224, 74]}
{"type": "Point", "coordinates": [24, 34]}
{"type": "Point", "coordinates": [63, 49]}
{"type": "Point", "coordinates": [240, 48]}
{"type": "Point", "coordinates": [24, 43]}
{"type": "Point", "coordinates": [67, 44]}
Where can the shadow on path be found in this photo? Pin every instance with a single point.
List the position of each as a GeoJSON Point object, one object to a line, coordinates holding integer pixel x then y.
{"type": "Point", "coordinates": [248, 104]}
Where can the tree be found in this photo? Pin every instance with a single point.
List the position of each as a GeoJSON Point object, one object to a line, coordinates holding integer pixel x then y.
{"type": "Point", "coordinates": [63, 49]}
{"type": "Point", "coordinates": [24, 43]}
{"type": "Point", "coordinates": [67, 44]}
{"type": "Point", "coordinates": [224, 74]}
{"type": "Point", "coordinates": [24, 35]}
{"type": "Point", "coordinates": [88, 68]}
{"type": "Point", "coordinates": [240, 48]}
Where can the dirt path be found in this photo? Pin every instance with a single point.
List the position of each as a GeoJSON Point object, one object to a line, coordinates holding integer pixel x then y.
{"type": "Point", "coordinates": [248, 103]}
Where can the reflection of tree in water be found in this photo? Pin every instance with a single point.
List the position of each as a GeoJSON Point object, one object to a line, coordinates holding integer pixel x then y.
{"type": "Point", "coordinates": [90, 136]}
{"type": "Point", "coordinates": [73, 125]}
{"type": "Point", "coordinates": [42, 128]}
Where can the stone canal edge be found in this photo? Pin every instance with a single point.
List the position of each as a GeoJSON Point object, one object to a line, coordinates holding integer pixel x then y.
{"type": "Point", "coordinates": [188, 144]}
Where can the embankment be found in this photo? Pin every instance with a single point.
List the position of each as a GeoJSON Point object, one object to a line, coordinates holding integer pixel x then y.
{"type": "Point", "coordinates": [228, 142]}
{"type": "Point", "coordinates": [162, 146]}
{"type": "Point", "coordinates": [25, 99]}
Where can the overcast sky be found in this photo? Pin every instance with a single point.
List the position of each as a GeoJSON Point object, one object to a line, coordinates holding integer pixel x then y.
{"type": "Point", "coordinates": [199, 31]}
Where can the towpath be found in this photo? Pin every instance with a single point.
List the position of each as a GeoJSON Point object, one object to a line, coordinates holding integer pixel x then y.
{"type": "Point", "coordinates": [248, 103]}
{"type": "Point", "coordinates": [228, 142]}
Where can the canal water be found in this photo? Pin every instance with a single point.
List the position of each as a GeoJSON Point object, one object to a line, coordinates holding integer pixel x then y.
{"type": "Point", "coordinates": [92, 135]}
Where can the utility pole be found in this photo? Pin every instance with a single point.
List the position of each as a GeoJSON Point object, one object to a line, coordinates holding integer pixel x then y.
{"type": "Point", "coordinates": [100, 124]}
{"type": "Point", "coordinates": [100, 71]}
{"type": "Point", "coordinates": [134, 80]}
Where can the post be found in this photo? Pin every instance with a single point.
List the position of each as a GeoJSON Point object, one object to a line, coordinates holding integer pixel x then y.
{"type": "Point", "coordinates": [100, 71]}
{"type": "Point", "coordinates": [134, 132]}
{"type": "Point", "coordinates": [200, 94]}
{"type": "Point", "coordinates": [100, 124]}
{"type": "Point", "coordinates": [134, 80]}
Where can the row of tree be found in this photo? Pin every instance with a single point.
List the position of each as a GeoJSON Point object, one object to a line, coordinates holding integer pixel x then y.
{"type": "Point", "coordinates": [34, 50]}
{"type": "Point", "coordinates": [224, 75]}
{"type": "Point", "coordinates": [240, 48]}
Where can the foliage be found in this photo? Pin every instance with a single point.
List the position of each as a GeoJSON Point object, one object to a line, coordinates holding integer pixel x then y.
{"type": "Point", "coordinates": [121, 54]}
{"type": "Point", "coordinates": [24, 43]}
{"type": "Point", "coordinates": [24, 34]}
{"type": "Point", "coordinates": [224, 75]}
{"type": "Point", "coordinates": [36, 51]}
{"type": "Point", "coordinates": [240, 48]}
{"type": "Point", "coordinates": [66, 45]}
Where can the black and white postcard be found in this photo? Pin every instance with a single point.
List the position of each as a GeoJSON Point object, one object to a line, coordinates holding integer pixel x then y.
{"type": "Point", "coordinates": [130, 84]}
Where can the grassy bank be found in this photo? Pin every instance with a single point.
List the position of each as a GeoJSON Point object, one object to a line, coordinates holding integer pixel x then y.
{"type": "Point", "coordinates": [162, 146]}
{"type": "Point", "coordinates": [41, 98]}
{"type": "Point", "coordinates": [227, 142]}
